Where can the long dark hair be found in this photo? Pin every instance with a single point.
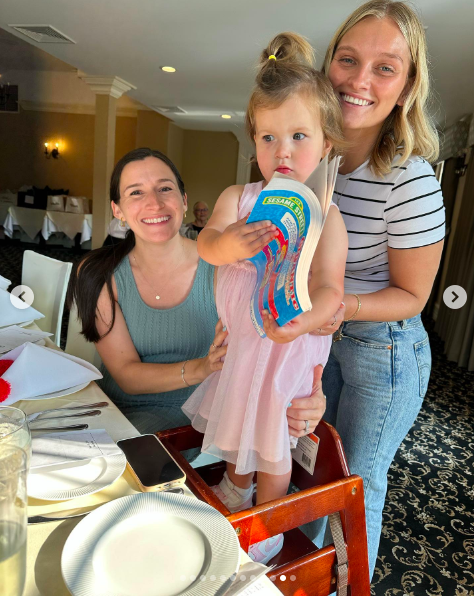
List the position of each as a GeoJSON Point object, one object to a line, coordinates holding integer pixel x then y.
{"type": "Point", "coordinates": [96, 269]}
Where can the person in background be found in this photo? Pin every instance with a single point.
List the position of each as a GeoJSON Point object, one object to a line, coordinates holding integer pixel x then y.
{"type": "Point", "coordinates": [201, 214]}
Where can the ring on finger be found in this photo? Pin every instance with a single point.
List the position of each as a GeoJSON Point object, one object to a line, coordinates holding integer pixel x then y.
{"type": "Point", "coordinates": [213, 345]}
{"type": "Point", "coordinates": [335, 321]}
{"type": "Point", "coordinates": [306, 427]}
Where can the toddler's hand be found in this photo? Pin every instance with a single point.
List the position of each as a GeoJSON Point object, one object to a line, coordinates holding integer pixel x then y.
{"type": "Point", "coordinates": [243, 241]}
{"type": "Point", "coordinates": [286, 333]}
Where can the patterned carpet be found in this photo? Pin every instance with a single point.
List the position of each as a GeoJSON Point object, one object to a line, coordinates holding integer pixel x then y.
{"type": "Point", "coordinates": [427, 545]}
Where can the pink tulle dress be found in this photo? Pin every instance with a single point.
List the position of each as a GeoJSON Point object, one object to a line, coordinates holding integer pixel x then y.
{"type": "Point", "coordinates": [241, 410]}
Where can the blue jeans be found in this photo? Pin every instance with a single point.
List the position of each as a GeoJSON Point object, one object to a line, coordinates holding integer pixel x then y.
{"type": "Point", "coordinates": [375, 381]}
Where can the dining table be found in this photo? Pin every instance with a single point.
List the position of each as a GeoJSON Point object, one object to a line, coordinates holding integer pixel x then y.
{"type": "Point", "coordinates": [45, 541]}
{"type": "Point", "coordinates": [33, 221]}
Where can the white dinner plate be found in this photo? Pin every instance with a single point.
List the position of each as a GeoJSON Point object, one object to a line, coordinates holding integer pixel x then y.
{"type": "Point", "coordinates": [151, 544]}
{"type": "Point", "coordinates": [61, 392]}
{"type": "Point", "coordinates": [76, 481]}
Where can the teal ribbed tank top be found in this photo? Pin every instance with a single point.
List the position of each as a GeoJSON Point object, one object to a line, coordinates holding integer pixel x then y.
{"type": "Point", "coordinates": [170, 335]}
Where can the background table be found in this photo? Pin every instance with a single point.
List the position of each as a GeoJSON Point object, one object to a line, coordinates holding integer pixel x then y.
{"type": "Point", "coordinates": [33, 221]}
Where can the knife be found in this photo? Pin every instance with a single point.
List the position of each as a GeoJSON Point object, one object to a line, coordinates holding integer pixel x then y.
{"type": "Point", "coordinates": [59, 428]}
{"type": "Point", "coordinates": [69, 513]}
{"type": "Point", "coordinates": [101, 404]}
{"type": "Point", "coordinates": [77, 415]}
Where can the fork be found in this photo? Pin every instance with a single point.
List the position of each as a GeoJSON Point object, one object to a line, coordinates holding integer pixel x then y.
{"type": "Point", "coordinates": [78, 415]}
{"type": "Point", "coordinates": [101, 404]}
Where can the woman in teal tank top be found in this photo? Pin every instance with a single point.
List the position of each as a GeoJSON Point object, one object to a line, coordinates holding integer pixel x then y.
{"type": "Point", "coordinates": [148, 303]}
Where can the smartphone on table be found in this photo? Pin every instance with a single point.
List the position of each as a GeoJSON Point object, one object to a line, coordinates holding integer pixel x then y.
{"type": "Point", "coordinates": [151, 464]}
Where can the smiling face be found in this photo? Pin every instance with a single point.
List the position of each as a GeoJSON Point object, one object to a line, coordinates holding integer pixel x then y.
{"type": "Point", "coordinates": [150, 200]}
{"type": "Point", "coordinates": [369, 72]}
{"type": "Point", "coordinates": [289, 139]}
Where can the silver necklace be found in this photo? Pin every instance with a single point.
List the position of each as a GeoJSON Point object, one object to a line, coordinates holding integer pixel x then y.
{"type": "Point", "coordinates": [157, 297]}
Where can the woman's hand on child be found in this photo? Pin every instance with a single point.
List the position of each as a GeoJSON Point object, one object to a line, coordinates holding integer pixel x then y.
{"type": "Point", "coordinates": [309, 408]}
{"type": "Point", "coordinates": [285, 333]}
{"type": "Point", "coordinates": [243, 241]}
{"type": "Point", "coordinates": [213, 361]}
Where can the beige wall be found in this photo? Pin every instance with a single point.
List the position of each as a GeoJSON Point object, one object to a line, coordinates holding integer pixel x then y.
{"type": "Point", "coordinates": [176, 145]}
{"type": "Point", "coordinates": [152, 130]}
{"type": "Point", "coordinates": [22, 138]}
{"type": "Point", "coordinates": [125, 136]}
{"type": "Point", "coordinates": [209, 165]}
{"type": "Point", "coordinates": [207, 160]}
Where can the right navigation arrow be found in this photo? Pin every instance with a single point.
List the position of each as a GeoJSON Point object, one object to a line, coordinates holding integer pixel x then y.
{"type": "Point", "coordinates": [456, 296]}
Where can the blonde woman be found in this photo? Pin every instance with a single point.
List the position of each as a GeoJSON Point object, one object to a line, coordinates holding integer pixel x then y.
{"type": "Point", "coordinates": [378, 370]}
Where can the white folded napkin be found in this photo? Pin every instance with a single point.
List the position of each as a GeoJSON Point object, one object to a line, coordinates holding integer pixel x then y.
{"type": "Point", "coordinates": [37, 370]}
{"type": "Point", "coordinates": [61, 449]}
{"type": "Point", "coordinates": [11, 314]}
{"type": "Point", "coordinates": [4, 282]}
{"type": "Point", "coordinates": [13, 336]}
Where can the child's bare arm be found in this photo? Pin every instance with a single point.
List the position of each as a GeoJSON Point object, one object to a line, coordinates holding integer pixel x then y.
{"type": "Point", "coordinates": [225, 239]}
{"type": "Point", "coordinates": [326, 287]}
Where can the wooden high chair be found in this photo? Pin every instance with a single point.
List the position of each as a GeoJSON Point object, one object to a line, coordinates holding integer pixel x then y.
{"type": "Point", "coordinates": [330, 490]}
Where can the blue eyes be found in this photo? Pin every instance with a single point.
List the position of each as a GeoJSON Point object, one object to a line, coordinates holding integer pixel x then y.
{"type": "Point", "coordinates": [298, 136]}
{"type": "Point", "coordinates": [350, 62]}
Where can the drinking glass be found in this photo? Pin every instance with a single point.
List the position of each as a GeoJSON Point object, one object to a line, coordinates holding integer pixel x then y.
{"type": "Point", "coordinates": [13, 520]}
{"type": "Point", "coordinates": [14, 429]}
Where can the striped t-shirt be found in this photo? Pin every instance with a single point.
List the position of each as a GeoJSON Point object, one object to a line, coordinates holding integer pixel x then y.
{"type": "Point", "coordinates": [404, 209]}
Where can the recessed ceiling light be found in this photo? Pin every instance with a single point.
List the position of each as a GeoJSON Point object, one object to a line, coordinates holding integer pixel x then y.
{"type": "Point", "coordinates": [226, 116]}
{"type": "Point", "coordinates": [168, 69]}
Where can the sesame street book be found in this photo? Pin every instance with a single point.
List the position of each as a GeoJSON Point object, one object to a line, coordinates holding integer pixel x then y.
{"type": "Point", "coordinates": [299, 211]}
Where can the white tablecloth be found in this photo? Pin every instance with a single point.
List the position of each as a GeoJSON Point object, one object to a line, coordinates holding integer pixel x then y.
{"type": "Point", "coordinates": [68, 223]}
{"type": "Point", "coordinates": [7, 200]}
{"type": "Point", "coordinates": [33, 221]}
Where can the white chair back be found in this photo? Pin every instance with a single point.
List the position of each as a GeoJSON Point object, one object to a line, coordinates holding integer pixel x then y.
{"type": "Point", "coordinates": [48, 278]}
{"type": "Point", "coordinates": [76, 344]}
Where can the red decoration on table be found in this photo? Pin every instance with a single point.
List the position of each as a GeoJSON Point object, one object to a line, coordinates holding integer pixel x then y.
{"type": "Point", "coordinates": [5, 389]}
{"type": "Point", "coordinates": [5, 386]}
{"type": "Point", "coordinates": [4, 366]}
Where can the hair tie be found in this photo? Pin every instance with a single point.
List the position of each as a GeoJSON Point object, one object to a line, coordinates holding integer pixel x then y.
{"type": "Point", "coordinates": [272, 57]}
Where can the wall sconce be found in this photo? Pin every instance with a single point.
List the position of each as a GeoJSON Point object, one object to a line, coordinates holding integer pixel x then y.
{"type": "Point", "coordinates": [54, 153]}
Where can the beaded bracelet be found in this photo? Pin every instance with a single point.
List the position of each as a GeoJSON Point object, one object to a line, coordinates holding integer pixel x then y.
{"type": "Point", "coordinates": [359, 304]}
{"type": "Point", "coordinates": [182, 374]}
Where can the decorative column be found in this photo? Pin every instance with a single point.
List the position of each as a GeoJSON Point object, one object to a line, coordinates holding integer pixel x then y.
{"type": "Point", "coordinates": [246, 151]}
{"type": "Point", "coordinates": [107, 90]}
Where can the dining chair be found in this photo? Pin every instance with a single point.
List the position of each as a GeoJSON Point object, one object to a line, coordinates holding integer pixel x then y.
{"type": "Point", "coordinates": [76, 344]}
{"type": "Point", "coordinates": [48, 278]}
{"type": "Point", "coordinates": [301, 568]}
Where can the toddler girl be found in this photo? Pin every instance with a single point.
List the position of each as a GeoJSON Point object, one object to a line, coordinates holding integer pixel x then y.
{"type": "Point", "coordinates": [295, 119]}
